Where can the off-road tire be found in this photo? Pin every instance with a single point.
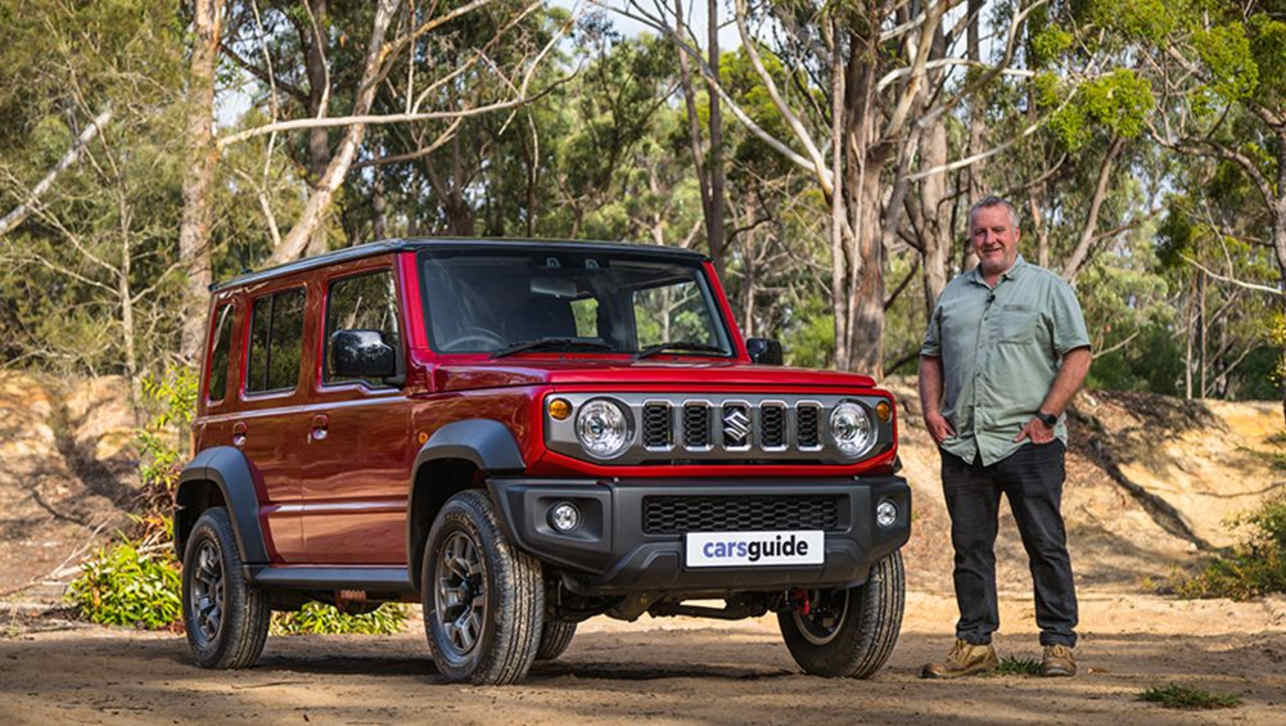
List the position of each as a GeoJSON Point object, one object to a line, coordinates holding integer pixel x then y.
{"type": "Point", "coordinates": [510, 581]}
{"type": "Point", "coordinates": [864, 637]}
{"type": "Point", "coordinates": [555, 636]}
{"type": "Point", "coordinates": [212, 566]}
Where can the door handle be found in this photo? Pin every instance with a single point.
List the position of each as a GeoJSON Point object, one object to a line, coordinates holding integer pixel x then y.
{"type": "Point", "coordinates": [239, 434]}
{"type": "Point", "coordinates": [321, 422]}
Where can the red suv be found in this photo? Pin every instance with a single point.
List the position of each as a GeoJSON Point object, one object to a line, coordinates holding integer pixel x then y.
{"type": "Point", "coordinates": [521, 435]}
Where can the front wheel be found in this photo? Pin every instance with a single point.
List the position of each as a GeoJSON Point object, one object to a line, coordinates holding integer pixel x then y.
{"type": "Point", "coordinates": [849, 633]}
{"type": "Point", "coordinates": [484, 599]}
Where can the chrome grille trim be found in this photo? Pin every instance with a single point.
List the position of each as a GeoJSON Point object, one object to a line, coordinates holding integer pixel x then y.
{"type": "Point", "coordinates": [651, 412]}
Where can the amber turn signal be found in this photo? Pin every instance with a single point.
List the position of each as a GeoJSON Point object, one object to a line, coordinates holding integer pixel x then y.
{"type": "Point", "coordinates": [560, 408]}
{"type": "Point", "coordinates": [883, 410]}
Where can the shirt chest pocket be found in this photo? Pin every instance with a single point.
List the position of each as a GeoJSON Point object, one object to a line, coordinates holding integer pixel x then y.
{"type": "Point", "coordinates": [1013, 323]}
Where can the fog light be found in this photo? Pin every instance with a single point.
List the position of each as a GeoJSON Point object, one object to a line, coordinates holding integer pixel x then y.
{"type": "Point", "coordinates": [886, 513]}
{"type": "Point", "coordinates": [564, 517]}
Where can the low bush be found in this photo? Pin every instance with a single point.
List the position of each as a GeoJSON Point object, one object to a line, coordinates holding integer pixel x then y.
{"type": "Point", "coordinates": [1014, 666]}
{"type": "Point", "coordinates": [320, 618]}
{"type": "Point", "coordinates": [1255, 567]}
{"type": "Point", "coordinates": [1173, 695]}
{"type": "Point", "coordinates": [120, 585]}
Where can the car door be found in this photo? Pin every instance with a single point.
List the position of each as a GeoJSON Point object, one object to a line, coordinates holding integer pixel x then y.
{"type": "Point", "coordinates": [269, 428]}
{"type": "Point", "coordinates": [355, 476]}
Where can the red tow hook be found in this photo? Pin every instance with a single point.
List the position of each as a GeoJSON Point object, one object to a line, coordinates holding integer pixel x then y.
{"type": "Point", "coordinates": [799, 599]}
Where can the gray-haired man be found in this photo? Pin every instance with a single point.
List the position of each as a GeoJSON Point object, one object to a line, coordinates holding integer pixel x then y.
{"type": "Point", "coordinates": [1005, 351]}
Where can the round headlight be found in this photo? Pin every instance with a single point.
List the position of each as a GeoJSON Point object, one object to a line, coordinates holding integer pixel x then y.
{"type": "Point", "coordinates": [603, 428]}
{"type": "Point", "coordinates": [852, 429]}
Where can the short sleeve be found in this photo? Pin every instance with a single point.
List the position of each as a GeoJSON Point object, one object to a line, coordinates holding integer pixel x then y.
{"type": "Point", "coordinates": [932, 346]}
{"type": "Point", "coordinates": [1068, 322]}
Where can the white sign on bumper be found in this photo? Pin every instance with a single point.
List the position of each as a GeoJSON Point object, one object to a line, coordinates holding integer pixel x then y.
{"type": "Point", "coordinates": [752, 549]}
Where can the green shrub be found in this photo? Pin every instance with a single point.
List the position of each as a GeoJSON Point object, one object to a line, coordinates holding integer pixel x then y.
{"type": "Point", "coordinates": [320, 618]}
{"type": "Point", "coordinates": [1175, 696]}
{"type": "Point", "coordinates": [121, 586]}
{"type": "Point", "coordinates": [1255, 567]}
{"type": "Point", "coordinates": [1014, 666]}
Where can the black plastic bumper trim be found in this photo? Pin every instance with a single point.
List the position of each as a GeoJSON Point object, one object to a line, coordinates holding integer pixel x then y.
{"type": "Point", "coordinates": [610, 552]}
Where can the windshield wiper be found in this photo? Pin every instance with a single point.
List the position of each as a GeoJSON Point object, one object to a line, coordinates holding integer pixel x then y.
{"type": "Point", "coordinates": [683, 345]}
{"type": "Point", "coordinates": [551, 342]}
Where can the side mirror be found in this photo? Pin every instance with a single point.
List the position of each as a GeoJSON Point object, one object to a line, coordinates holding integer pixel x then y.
{"type": "Point", "coordinates": [361, 354]}
{"type": "Point", "coordinates": [764, 351]}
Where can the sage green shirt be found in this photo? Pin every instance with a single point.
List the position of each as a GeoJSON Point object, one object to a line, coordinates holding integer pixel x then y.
{"type": "Point", "coordinates": [1001, 349]}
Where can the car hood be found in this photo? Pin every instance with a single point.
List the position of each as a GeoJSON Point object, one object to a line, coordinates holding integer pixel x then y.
{"type": "Point", "coordinates": [607, 373]}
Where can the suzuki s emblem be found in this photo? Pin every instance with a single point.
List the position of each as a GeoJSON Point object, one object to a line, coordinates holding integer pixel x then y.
{"type": "Point", "coordinates": [736, 426]}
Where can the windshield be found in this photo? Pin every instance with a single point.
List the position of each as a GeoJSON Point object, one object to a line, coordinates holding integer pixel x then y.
{"type": "Point", "coordinates": [503, 302]}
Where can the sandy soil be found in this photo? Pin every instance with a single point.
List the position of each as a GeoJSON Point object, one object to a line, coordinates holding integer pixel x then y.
{"type": "Point", "coordinates": [668, 671]}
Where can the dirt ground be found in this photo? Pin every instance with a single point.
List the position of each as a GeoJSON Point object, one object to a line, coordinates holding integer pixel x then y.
{"type": "Point", "coordinates": [1150, 485]}
{"type": "Point", "coordinates": [666, 671]}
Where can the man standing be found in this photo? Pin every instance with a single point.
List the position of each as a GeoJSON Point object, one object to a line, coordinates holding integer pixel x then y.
{"type": "Point", "coordinates": [1005, 352]}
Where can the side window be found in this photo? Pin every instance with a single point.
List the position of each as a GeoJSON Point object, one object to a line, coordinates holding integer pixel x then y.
{"type": "Point", "coordinates": [364, 302]}
{"type": "Point", "coordinates": [218, 377]}
{"type": "Point", "coordinates": [276, 342]}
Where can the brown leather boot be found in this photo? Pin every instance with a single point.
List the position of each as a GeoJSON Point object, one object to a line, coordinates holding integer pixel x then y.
{"type": "Point", "coordinates": [964, 659]}
{"type": "Point", "coordinates": [1058, 661]}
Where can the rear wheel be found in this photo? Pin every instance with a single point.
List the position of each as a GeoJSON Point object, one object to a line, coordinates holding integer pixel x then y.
{"type": "Point", "coordinates": [849, 633]}
{"type": "Point", "coordinates": [225, 616]}
{"type": "Point", "coordinates": [555, 636]}
{"type": "Point", "coordinates": [484, 599]}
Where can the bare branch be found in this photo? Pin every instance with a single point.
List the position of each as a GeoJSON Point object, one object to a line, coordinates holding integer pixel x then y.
{"type": "Point", "coordinates": [19, 213]}
{"type": "Point", "coordinates": [1234, 281]}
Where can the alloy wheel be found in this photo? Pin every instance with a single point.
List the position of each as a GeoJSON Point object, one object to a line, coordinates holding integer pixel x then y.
{"type": "Point", "coordinates": [461, 592]}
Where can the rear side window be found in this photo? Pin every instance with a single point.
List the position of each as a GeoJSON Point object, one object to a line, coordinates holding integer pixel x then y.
{"type": "Point", "coordinates": [364, 302]}
{"type": "Point", "coordinates": [219, 353]}
{"type": "Point", "coordinates": [276, 342]}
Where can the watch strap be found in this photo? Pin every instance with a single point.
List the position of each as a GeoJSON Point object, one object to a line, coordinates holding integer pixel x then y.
{"type": "Point", "coordinates": [1048, 419]}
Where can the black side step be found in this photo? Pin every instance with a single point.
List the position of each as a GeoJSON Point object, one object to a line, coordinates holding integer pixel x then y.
{"type": "Point", "coordinates": [307, 577]}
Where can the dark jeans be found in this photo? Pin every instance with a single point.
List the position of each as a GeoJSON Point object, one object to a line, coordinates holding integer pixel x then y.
{"type": "Point", "coordinates": [1032, 479]}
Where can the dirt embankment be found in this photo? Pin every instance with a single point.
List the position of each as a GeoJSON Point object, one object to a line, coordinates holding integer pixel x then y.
{"type": "Point", "coordinates": [1150, 483]}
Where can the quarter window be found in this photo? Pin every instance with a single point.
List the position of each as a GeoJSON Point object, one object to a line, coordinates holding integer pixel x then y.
{"type": "Point", "coordinates": [219, 353]}
{"type": "Point", "coordinates": [365, 302]}
{"type": "Point", "coordinates": [276, 341]}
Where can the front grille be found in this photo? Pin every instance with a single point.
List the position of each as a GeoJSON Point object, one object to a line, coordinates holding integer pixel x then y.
{"type": "Point", "coordinates": [772, 426]}
{"type": "Point", "coordinates": [656, 425]}
{"type": "Point", "coordinates": [679, 514]}
{"type": "Point", "coordinates": [696, 425]}
{"type": "Point", "coordinates": [807, 420]}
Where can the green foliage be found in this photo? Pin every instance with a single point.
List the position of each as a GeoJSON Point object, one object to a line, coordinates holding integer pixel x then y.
{"type": "Point", "coordinates": [1118, 102]}
{"type": "Point", "coordinates": [1015, 666]}
{"type": "Point", "coordinates": [1225, 50]}
{"type": "Point", "coordinates": [163, 441]}
{"type": "Point", "coordinates": [1146, 20]}
{"type": "Point", "coordinates": [1256, 566]}
{"type": "Point", "coordinates": [1050, 43]}
{"type": "Point", "coordinates": [120, 585]}
{"type": "Point", "coordinates": [1173, 695]}
{"type": "Point", "coordinates": [321, 619]}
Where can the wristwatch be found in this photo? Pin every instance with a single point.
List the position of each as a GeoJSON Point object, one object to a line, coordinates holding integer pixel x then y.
{"type": "Point", "coordinates": [1048, 419]}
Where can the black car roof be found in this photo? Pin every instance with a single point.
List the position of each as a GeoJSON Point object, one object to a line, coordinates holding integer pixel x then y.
{"type": "Point", "coordinates": [454, 243]}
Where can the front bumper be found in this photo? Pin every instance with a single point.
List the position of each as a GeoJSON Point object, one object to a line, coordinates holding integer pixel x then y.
{"type": "Point", "coordinates": [613, 551]}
